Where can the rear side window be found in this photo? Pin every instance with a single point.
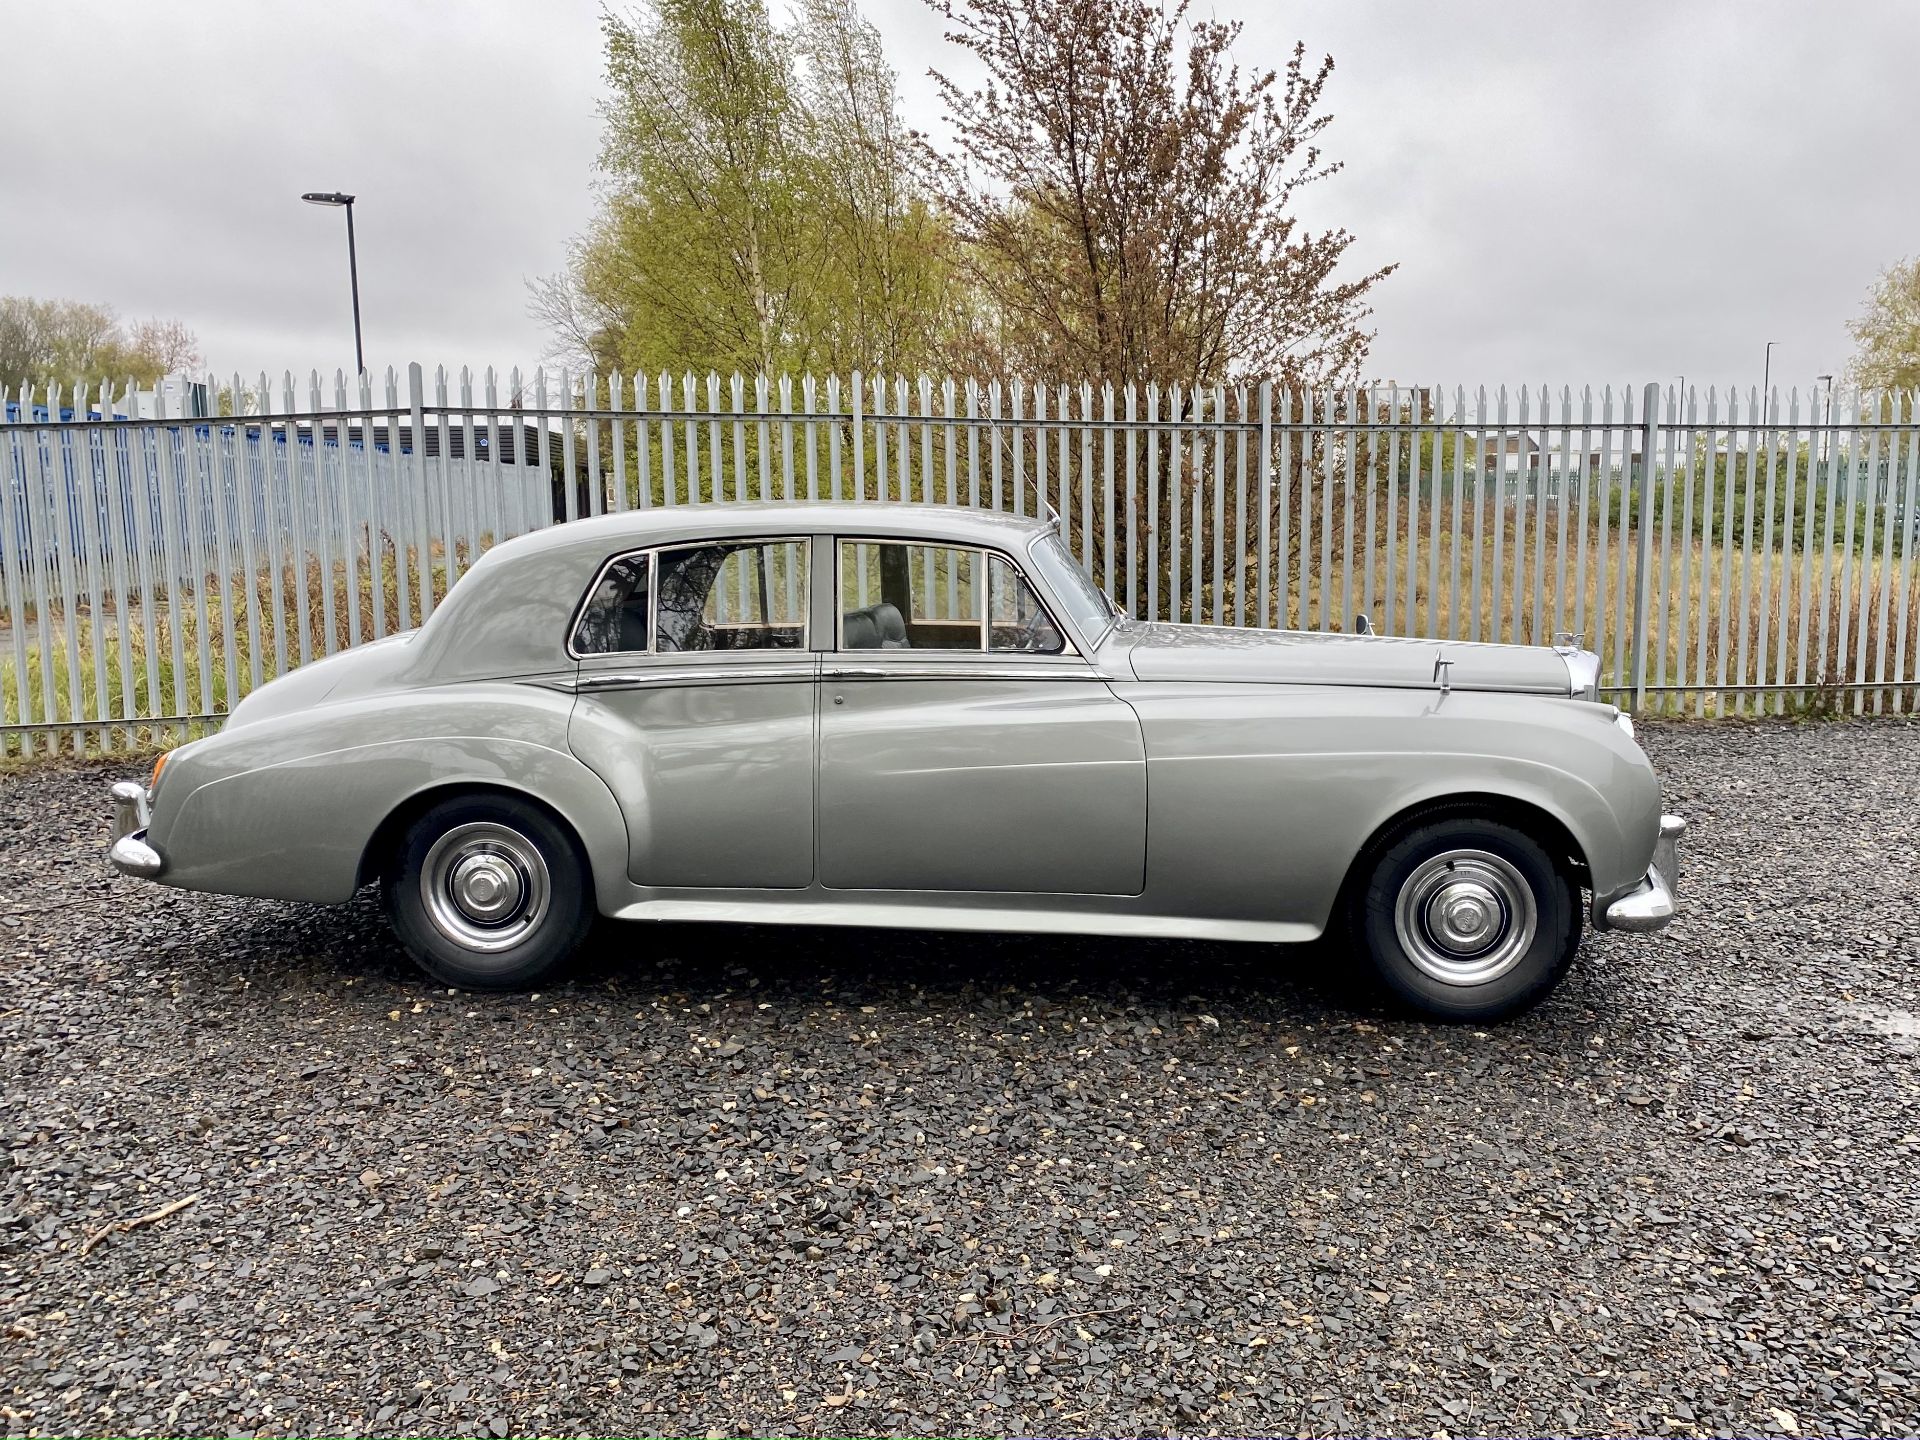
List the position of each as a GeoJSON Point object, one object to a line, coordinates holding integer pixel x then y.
{"type": "Point", "coordinates": [614, 619]}
{"type": "Point", "coordinates": [740, 595]}
{"type": "Point", "coordinates": [732, 595]}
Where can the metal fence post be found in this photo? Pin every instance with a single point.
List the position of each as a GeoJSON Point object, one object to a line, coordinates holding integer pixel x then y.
{"type": "Point", "coordinates": [416, 416]}
{"type": "Point", "coordinates": [1266, 506]}
{"type": "Point", "coordinates": [859, 444]}
{"type": "Point", "coordinates": [1643, 543]}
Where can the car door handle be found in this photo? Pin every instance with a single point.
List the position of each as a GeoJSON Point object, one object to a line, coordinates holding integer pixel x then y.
{"type": "Point", "coordinates": [852, 674]}
{"type": "Point", "coordinates": [606, 681]}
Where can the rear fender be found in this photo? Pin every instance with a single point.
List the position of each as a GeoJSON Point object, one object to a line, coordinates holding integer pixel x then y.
{"type": "Point", "coordinates": [286, 808]}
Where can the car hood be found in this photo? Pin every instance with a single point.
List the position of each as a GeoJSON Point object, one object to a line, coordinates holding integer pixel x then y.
{"type": "Point", "coordinates": [337, 677]}
{"type": "Point", "coordinates": [1159, 651]}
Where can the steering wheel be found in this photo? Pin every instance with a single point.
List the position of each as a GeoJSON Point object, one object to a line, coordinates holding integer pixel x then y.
{"type": "Point", "coordinates": [1034, 637]}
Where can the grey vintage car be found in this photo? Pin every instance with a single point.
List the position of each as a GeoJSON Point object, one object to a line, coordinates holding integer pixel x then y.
{"type": "Point", "coordinates": [898, 715]}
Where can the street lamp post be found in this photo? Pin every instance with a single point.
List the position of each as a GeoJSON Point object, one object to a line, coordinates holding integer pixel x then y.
{"type": "Point", "coordinates": [336, 198]}
{"type": "Point", "coordinates": [1766, 382]}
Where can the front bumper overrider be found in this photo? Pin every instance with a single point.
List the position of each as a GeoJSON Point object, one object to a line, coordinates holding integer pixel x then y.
{"type": "Point", "coordinates": [130, 853]}
{"type": "Point", "coordinates": [1651, 903]}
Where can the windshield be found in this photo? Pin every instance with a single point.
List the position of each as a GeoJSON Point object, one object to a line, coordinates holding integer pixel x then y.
{"type": "Point", "coordinates": [1085, 602]}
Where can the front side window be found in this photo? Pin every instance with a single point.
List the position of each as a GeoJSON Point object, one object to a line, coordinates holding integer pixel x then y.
{"type": "Point", "coordinates": [735, 595]}
{"type": "Point", "coordinates": [903, 596]}
{"type": "Point", "coordinates": [1020, 624]}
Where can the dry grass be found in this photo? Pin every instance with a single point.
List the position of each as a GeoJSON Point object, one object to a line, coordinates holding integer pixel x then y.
{"type": "Point", "coordinates": [1754, 631]}
{"type": "Point", "coordinates": [176, 659]}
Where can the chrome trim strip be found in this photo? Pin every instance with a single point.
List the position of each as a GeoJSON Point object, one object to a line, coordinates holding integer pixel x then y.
{"type": "Point", "coordinates": [594, 682]}
{"type": "Point", "coordinates": [1001, 671]}
{"type": "Point", "coordinates": [615, 680]}
{"type": "Point", "coordinates": [1323, 683]}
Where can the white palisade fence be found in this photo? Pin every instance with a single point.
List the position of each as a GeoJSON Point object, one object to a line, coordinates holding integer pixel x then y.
{"type": "Point", "coordinates": [1723, 552]}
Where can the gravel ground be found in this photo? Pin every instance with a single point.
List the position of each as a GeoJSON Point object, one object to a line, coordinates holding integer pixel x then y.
{"type": "Point", "coordinates": [843, 1182]}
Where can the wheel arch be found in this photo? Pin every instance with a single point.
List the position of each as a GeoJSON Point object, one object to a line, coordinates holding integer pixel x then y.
{"type": "Point", "coordinates": [387, 835]}
{"type": "Point", "coordinates": [1527, 816]}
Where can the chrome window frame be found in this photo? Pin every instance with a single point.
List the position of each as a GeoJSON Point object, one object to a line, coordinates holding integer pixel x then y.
{"type": "Point", "coordinates": [593, 588]}
{"type": "Point", "coordinates": [651, 554]}
{"type": "Point", "coordinates": [1069, 649]}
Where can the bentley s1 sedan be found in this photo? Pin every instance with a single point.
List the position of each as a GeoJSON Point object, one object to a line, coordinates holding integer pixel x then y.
{"type": "Point", "coordinates": [900, 715]}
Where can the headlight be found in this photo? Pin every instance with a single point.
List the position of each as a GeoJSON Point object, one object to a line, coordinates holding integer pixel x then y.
{"type": "Point", "coordinates": [1624, 721]}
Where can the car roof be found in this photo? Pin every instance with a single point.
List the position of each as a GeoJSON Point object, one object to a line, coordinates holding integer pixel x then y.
{"type": "Point", "coordinates": [509, 614]}
{"type": "Point", "coordinates": [667, 524]}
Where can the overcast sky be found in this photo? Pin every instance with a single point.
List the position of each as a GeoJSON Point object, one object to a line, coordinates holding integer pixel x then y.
{"type": "Point", "coordinates": [1575, 193]}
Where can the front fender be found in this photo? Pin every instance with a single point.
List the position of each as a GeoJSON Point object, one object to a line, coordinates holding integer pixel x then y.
{"type": "Point", "coordinates": [285, 808]}
{"type": "Point", "coordinates": [1262, 796]}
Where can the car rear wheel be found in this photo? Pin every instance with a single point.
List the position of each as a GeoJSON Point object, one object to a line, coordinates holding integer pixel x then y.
{"type": "Point", "coordinates": [1468, 919]}
{"type": "Point", "coordinates": [488, 892]}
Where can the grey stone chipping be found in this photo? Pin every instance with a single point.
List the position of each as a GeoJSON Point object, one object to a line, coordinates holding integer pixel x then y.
{"type": "Point", "coordinates": [753, 1180]}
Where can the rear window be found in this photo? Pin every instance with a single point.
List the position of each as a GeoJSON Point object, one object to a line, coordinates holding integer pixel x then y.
{"type": "Point", "coordinates": [614, 619]}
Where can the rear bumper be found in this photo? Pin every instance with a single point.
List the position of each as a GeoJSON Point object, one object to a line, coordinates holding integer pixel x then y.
{"type": "Point", "coordinates": [130, 853]}
{"type": "Point", "coordinates": [1651, 903]}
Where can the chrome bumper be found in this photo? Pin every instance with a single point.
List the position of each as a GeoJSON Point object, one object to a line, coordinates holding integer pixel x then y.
{"type": "Point", "coordinates": [1651, 903]}
{"type": "Point", "coordinates": [130, 853]}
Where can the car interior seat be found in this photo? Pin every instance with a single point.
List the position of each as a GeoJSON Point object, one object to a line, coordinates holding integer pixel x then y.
{"type": "Point", "coordinates": [877, 627]}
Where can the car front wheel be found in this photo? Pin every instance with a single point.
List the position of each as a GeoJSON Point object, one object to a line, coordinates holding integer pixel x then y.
{"type": "Point", "coordinates": [488, 892]}
{"type": "Point", "coordinates": [1468, 919]}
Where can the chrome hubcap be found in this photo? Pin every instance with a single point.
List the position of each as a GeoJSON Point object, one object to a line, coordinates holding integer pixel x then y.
{"type": "Point", "coordinates": [484, 886]}
{"type": "Point", "coordinates": [1465, 917]}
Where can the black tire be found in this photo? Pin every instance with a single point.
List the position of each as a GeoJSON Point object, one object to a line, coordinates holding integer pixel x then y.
{"type": "Point", "coordinates": [1434, 894]}
{"type": "Point", "coordinates": [481, 847]}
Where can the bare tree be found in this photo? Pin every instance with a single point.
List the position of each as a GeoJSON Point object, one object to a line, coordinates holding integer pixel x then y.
{"type": "Point", "coordinates": [1125, 193]}
{"type": "Point", "coordinates": [166, 345]}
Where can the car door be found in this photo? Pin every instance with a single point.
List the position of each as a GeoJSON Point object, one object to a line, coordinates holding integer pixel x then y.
{"type": "Point", "coordinates": [964, 746]}
{"type": "Point", "coordinates": [696, 694]}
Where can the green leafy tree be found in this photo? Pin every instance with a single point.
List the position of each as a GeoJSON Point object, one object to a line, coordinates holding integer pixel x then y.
{"type": "Point", "coordinates": [1887, 331]}
{"type": "Point", "coordinates": [760, 211]}
{"type": "Point", "coordinates": [69, 343]}
{"type": "Point", "coordinates": [889, 282]}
